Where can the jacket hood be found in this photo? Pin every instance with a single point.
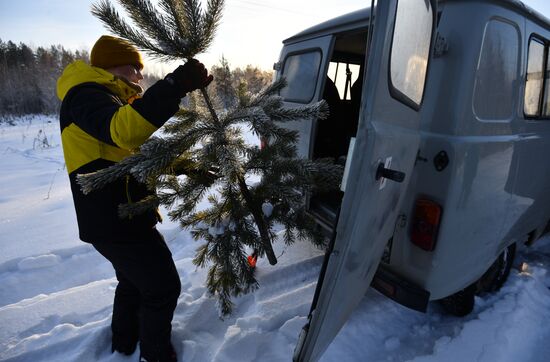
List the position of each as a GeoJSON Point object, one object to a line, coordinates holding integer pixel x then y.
{"type": "Point", "coordinates": [80, 72]}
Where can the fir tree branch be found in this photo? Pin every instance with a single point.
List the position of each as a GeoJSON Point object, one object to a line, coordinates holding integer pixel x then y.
{"type": "Point", "coordinates": [191, 20]}
{"type": "Point", "coordinates": [201, 255]}
{"type": "Point", "coordinates": [318, 110]}
{"type": "Point", "coordinates": [99, 179]}
{"type": "Point", "coordinates": [168, 190]}
{"type": "Point", "coordinates": [158, 154]}
{"type": "Point", "coordinates": [190, 193]}
{"type": "Point", "coordinates": [211, 20]}
{"type": "Point", "coordinates": [148, 19]}
{"type": "Point", "coordinates": [174, 11]}
{"type": "Point", "coordinates": [239, 115]}
{"type": "Point", "coordinates": [184, 119]}
{"type": "Point", "coordinates": [112, 20]}
{"type": "Point", "coordinates": [271, 90]}
{"type": "Point", "coordinates": [137, 208]}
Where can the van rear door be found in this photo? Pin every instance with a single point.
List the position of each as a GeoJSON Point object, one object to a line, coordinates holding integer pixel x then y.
{"type": "Point", "coordinates": [304, 65]}
{"type": "Point", "coordinates": [383, 158]}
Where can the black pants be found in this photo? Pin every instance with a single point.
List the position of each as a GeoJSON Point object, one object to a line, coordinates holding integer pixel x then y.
{"type": "Point", "coordinates": [146, 295]}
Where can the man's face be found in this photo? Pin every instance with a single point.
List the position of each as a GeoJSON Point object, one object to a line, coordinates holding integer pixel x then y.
{"type": "Point", "coordinates": [131, 73]}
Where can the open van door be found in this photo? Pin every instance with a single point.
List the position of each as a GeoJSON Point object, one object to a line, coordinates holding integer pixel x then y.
{"type": "Point", "coordinates": [304, 66]}
{"type": "Point", "coordinates": [382, 161]}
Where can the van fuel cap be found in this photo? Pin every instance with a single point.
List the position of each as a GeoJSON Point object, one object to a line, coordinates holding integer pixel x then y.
{"type": "Point", "coordinates": [441, 160]}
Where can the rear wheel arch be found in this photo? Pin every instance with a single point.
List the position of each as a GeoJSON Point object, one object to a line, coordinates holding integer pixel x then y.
{"type": "Point", "coordinates": [461, 303]}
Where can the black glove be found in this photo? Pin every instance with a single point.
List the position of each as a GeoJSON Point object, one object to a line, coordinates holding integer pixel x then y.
{"type": "Point", "coordinates": [190, 76]}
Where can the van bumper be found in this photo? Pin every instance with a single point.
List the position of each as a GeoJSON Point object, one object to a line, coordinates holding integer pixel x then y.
{"type": "Point", "coordinates": [399, 290]}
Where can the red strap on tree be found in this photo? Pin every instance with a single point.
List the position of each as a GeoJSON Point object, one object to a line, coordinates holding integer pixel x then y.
{"type": "Point", "coordinates": [252, 259]}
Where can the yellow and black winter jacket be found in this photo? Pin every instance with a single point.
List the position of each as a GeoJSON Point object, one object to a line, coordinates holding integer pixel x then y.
{"type": "Point", "coordinates": [98, 129]}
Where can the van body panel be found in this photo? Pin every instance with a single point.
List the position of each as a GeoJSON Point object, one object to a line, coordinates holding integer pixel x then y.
{"type": "Point", "coordinates": [387, 136]}
{"type": "Point", "coordinates": [515, 5]}
{"type": "Point", "coordinates": [471, 188]}
{"type": "Point", "coordinates": [531, 191]}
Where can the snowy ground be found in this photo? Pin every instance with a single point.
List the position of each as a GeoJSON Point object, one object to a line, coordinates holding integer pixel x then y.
{"type": "Point", "coordinates": [56, 292]}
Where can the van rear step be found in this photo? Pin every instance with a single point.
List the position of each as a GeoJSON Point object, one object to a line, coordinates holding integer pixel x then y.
{"type": "Point", "coordinates": [401, 291]}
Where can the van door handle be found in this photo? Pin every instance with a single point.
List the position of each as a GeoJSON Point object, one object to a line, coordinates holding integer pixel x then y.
{"type": "Point", "coordinates": [393, 175]}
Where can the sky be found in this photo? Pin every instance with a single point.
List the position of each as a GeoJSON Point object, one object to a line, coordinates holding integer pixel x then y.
{"type": "Point", "coordinates": [251, 31]}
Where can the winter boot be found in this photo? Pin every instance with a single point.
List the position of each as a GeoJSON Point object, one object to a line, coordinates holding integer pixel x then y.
{"type": "Point", "coordinates": [168, 355]}
{"type": "Point", "coordinates": [125, 347]}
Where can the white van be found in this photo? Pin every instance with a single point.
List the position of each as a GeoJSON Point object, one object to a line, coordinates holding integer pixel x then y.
{"type": "Point", "coordinates": [440, 111]}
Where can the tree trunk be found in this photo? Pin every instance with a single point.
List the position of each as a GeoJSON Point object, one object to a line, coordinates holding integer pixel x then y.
{"type": "Point", "coordinates": [252, 206]}
{"type": "Point", "coordinates": [259, 219]}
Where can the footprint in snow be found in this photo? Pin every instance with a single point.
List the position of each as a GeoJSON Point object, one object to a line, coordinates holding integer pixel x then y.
{"type": "Point", "coordinates": [37, 262]}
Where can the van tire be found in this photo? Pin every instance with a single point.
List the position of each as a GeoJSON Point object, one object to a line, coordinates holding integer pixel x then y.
{"type": "Point", "coordinates": [461, 303]}
{"type": "Point", "coordinates": [497, 274]}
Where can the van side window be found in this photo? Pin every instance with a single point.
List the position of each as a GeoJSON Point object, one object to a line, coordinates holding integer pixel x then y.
{"type": "Point", "coordinates": [546, 100]}
{"type": "Point", "coordinates": [534, 79]}
{"type": "Point", "coordinates": [411, 49]}
{"type": "Point", "coordinates": [301, 72]}
{"type": "Point", "coordinates": [537, 83]}
{"type": "Point", "coordinates": [497, 72]}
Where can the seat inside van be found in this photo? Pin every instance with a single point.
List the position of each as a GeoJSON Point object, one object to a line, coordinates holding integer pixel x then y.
{"type": "Point", "coordinates": [342, 92]}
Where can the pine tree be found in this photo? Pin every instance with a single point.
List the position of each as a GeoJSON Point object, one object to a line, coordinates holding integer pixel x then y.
{"type": "Point", "coordinates": [223, 83]}
{"type": "Point", "coordinates": [201, 141]}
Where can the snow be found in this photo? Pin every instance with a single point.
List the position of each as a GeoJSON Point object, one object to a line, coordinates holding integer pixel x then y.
{"type": "Point", "coordinates": [38, 262]}
{"type": "Point", "coordinates": [56, 292]}
{"type": "Point", "coordinates": [267, 209]}
{"type": "Point", "coordinates": [216, 230]}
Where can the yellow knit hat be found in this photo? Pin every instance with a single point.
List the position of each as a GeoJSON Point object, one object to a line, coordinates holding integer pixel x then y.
{"type": "Point", "coordinates": [109, 52]}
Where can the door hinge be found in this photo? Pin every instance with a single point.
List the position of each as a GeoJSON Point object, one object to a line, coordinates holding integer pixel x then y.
{"type": "Point", "coordinates": [441, 46]}
{"type": "Point", "coordinates": [301, 341]}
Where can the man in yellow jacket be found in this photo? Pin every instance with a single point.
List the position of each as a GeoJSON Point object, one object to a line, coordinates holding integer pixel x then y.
{"type": "Point", "coordinates": [104, 117]}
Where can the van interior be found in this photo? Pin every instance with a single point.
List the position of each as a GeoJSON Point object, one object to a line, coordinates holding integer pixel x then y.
{"type": "Point", "coordinates": [342, 92]}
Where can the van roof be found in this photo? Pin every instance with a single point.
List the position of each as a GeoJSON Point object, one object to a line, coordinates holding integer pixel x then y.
{"type": "Point", "coordinates": [360, 18]}
{"type": "Point", "coordinates": [356, 19]}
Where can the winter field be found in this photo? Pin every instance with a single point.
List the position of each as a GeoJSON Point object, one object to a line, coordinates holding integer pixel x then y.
{"type": "Point", "coordinates": [56, 292]}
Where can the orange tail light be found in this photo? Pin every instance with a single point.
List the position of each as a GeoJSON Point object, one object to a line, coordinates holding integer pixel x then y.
{"type": "Point", "coordinates": [425, 225]}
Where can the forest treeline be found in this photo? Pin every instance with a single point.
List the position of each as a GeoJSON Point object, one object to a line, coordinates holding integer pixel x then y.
{"type": "Point", "coordinates": [28, 78]}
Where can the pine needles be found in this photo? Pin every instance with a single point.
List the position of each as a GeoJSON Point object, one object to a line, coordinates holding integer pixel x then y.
{"type": "Point", "coordinates": [180, 31]}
